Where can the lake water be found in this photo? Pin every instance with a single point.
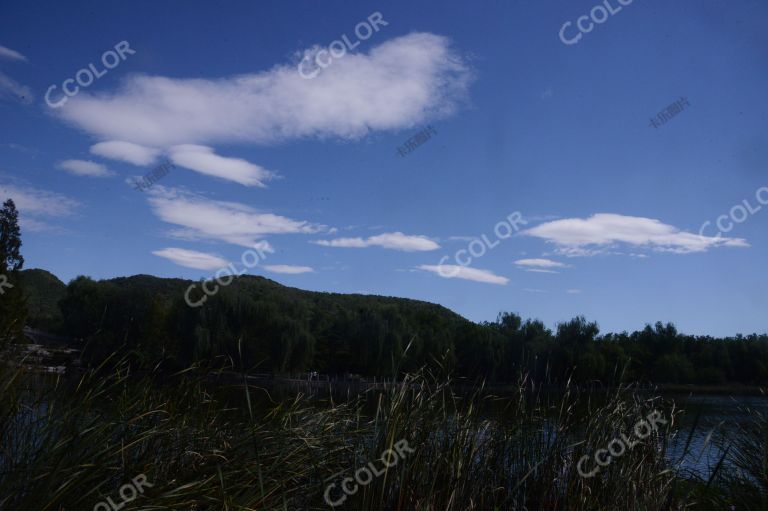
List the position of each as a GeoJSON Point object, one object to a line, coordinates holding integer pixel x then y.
{"type": "Point", "coordinates": [718, 414]}
{"type": "Point", "coordinates": [714, 416]}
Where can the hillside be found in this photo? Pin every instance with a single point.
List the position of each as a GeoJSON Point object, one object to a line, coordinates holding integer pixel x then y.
{"type": "Point", "coordinates": [263, 326]}
{"type": "Point", "coordinates": [42, 292]}
{"type": "Point", "coordinates": [282, 329]}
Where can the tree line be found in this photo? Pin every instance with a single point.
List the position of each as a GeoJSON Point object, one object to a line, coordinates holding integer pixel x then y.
{"type": "Point", "coordinates": [263, 326]}
{"type": "Point", "coordinates": [266, 327]}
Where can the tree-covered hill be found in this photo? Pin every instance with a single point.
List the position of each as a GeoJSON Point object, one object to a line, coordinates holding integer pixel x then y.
{"type": "Point", "coordinates": [268, 327]}
{"type": "Point", "coordinates": [42, 292]}
{"type": "Point", "coordinates": [282, 329]}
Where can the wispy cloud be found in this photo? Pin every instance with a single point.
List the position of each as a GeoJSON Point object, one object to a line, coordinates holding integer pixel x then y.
{"type": "Point", "coordinates": [450, 271]}
{"type": "Point", "coordinates": [390, 240]}
{"type": "Point", "coordinates": [11, 89]}
{"type": "Point", "coordinates": [192, 258]}
{"type": "Point", "coordinates": [539, 265]}
{"type": "Point", "coordinates": [125, 151]}
{"type": "Point", "coordinates": [288, 269]}
{"type": "Point", "coordinates": [84, 168]}
{"type": "Point", "coordinates": [204, 219]}
{"type": "Point", "coordinates": [35, 206]}
{"type": "Point", "coordinates": [202, 159]}
{"type": "Point", "coordinates": [9, 54]}
{"type": "Point", "coordinates": [591, 236]}
{"type": "Point", "coordinates": [398, 84]}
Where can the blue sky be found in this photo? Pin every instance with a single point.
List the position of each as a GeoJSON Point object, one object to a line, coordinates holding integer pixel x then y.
{"type": "Point", "coordinates": [308, 169]}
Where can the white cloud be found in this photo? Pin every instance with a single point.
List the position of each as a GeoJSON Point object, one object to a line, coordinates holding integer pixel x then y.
{"type": "Point", "coordinates": [573, 291]}
{"type": "Point", "coordinates": [9, 54]}
{"type": "Point", "coordinates": [391, 240]}
{"type": "Point", "coordinates": [398, 84]}
{"type": "Point", "coordinates": [34, 203]}
{"type": "Point", "coordinates": [539, 264]}
{"type": "Point", "coordinates": [202, 159]}
{"type": "Point", "coordinates": [288, 269]}
{"type": "Point", "coordinates": [192, 258]}
{"type": "Point", "coordinates": [539, 270]}
{"type": "Point", "coordinates": [84, 168]}
{"type": "Point", "coordinates": [451, 271]}
{"type": "Point", "coordinates": [10, 88]}
{"type": "Point", "coordinates": [343, 243]}
{"type": "Point", "coordinates": [582, 252]}
{"type": "Point", "coordinates": [231, 222]}
{"type": "Point", "coordinates": [591, 236]}
{"type": "Point", "coordinates": [125, 151]}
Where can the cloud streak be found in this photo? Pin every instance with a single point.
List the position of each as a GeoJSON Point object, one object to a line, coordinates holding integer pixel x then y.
{"type": "Point", "coordinates": [203, 219]}
{"type": "Point", "coordinates": [84, 168]}
{"type": "Point", "coordinates": [451, 271]}
{"type": "Point", "coordinates": [35, 205]}
{"type": "Point", "coordinates": [389, 240]}
{"type": "Point", "coordinates": [202, 159]}
{"type": "Point", "coordinates": [593, 235]}
{"type": "Point", "coordinates": [9, 54]}
{"type": "Point", "coordinates": [192, 258]}
{"type": "Point", "coordinates": [540, 265]}
{"type": "Point", "coordinates": [288, 269]}
{"type": "Point", "coordinates": [11, 89]}
{"type": "Point", "coordinates": [126, 151]}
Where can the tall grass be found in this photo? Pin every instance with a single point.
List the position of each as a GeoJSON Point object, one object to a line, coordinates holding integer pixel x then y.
{"type": "Point", "coordinates": [66, 445]}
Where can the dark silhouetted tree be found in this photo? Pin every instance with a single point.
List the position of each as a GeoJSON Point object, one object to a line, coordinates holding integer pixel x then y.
{"type": "Point", "coordinates": [12, 308]}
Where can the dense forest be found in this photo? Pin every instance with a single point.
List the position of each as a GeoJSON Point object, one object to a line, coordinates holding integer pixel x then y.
{"type": "Point", "coordinates": [266, 327]}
